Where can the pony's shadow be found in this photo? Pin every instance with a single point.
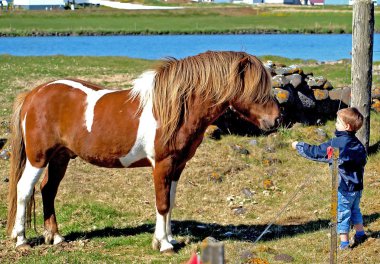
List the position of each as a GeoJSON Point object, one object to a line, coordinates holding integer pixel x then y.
{"type": "Point", "coordinates": [197, 231]}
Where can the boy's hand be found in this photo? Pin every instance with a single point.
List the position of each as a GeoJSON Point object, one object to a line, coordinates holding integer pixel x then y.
{"type": "Point", "coordinates": [294, 144]}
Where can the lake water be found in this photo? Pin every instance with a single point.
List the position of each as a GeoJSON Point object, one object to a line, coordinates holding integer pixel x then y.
{"type": "Point", "coordinates": [320, 47]}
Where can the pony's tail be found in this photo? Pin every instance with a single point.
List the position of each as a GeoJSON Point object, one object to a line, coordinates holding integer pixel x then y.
{"type": "Point", "coordinates": [18, 159]}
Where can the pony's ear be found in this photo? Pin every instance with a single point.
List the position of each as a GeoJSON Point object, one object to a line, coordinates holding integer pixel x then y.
{"type": "Point", "coordinates": [243, 64]}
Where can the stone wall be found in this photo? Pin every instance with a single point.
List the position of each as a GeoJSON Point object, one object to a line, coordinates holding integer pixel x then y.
{"type": "Point", "coordinates": [303, 98]}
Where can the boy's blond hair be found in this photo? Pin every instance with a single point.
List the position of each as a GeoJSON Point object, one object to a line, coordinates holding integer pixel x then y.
{"type": "Point", "coordinates": [351, 116]}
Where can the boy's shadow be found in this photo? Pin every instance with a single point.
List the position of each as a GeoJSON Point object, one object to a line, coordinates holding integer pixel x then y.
{"type": "Point", "coordinates": [197, 231]}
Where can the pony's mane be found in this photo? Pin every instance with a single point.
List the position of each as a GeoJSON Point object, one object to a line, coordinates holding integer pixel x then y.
{"type": "Point", "coordinates": [216, 77]}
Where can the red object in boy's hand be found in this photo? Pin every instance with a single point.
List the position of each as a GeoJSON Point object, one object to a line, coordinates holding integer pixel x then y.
{"type": "Point", "coordinates": [194, 260]}
{"type": "Point", "coordinates": [330, 151]}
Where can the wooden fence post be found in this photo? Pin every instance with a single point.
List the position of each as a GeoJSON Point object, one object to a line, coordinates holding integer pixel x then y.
{"type": "Point", "coordinates": [212, 251]}
{"type": "Point", "coordinates": [363, 21]}
{"type": "Point", "coordinates": [334, 207]}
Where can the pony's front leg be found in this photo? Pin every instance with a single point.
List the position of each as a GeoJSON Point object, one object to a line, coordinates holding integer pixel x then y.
{"type": "Point", "coordinates": [162, 184]}
{"type": "Point", "coordinates": [173, 189]}
{"type": "Point", "coordinates": [25, 188]}
{"type": "Point", "coordinates": [160, 237]}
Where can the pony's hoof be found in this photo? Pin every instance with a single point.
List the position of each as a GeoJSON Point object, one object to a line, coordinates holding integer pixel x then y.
{"type": "Point", "coordinates": [23, 248]}
{"type": "Point", "coordinates": [48, 237]}
{"type": "Point", "coordinates": [48, 240]}
{"type": "Point", "coordinates": [168, 252]}
{"type": "Point", "coordinates": [58, 239]}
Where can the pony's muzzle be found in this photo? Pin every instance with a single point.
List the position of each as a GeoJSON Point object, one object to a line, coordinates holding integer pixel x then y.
{"type": "Point", "coordinates": [272, 124]}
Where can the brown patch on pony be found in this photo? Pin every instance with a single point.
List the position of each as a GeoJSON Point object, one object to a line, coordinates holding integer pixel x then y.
{"type": "Point", "coordinates": [218, 77]}
{"type": "Point", "coordinates": [18, 159]}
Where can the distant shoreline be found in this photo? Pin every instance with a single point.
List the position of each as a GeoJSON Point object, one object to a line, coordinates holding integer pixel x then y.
{"type": "Point", "coordinates": [148, 32]}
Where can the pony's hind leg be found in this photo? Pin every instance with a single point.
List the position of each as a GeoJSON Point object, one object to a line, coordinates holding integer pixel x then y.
{"type": "Point", "coordinates": [25, 188]}
{"type": "Point", "coordinates": [49, 187]}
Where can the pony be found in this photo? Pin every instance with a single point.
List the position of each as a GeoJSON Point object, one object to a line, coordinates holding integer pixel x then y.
{"type": "Point", "coordinates": [159, 122]}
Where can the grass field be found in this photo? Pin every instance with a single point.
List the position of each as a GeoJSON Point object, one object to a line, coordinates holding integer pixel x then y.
{"type": "Point", "coordinates": [194, 19]}
{"type": "Point", "coordinates": [107, 215]}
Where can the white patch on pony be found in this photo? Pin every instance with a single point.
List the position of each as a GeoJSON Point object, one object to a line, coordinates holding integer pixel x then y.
{"type": "Point", "coordinates": [143, 88]}
{"type": "Point", "coordinates": [25, 188]}
{"type": "Point", "coordinates": [160, 232]}
{"type": "Point", "coordinates": [58, 239]}
{"type": "Point", "coordinates": [146, 133]}
{"type": "Point", "coordinates": [92, 98]}
{"type": "Point", "coordinates": [173, 189]}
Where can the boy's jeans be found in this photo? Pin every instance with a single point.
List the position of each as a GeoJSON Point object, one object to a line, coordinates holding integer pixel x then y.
{"type": "Point", "coordinates": [348, 210]}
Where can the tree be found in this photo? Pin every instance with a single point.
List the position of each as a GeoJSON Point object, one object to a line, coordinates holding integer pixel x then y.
{"type": "Point", "coordinates": [361, 72]}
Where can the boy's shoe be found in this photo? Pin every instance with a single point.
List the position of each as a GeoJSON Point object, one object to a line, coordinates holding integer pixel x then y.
{"type": "Point", "coordinates": [356, 241]}
{"type": "Point", "coordinates": [342, 248]}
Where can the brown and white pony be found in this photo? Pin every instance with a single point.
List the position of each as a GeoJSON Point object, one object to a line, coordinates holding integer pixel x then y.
{"type": "Point", "coordinates": [160, 122]}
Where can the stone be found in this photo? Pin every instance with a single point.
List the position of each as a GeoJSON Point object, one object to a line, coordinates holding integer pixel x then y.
{"type": "Point", "coordinates": [239, 210]}
{"type": "Point", "coordinates": [5, 154]}
{"type": "Point", "coordinates": [268, 183]}
{"type": "Point", "coordinates": [269, 64]}
{"type": "Point", "coordinates": [269, 67]}
{"type": "Point", "coordinates": [376, 105]}
{"type": "Point", "coordinates": [305, 101]}
{"type": "Point", "coordinates": [281, 95]}
{"type": "Point", "coordinates": [271, 71]}
{"type": "Point", "coordinates": [247, 255]}
{"type": "Point", "coordinates": [288, 70]}
{"type": "Point", "coordinates": [296, 69]}
{"type": "Point", "coordinates": [343, 94]}
{"type": "Point", "coordinates": [215, 177]}
{"type": "Point", "coordinates": [284, 258]}
{"type": "Point", "coordinates": [320, 94]}
{"type": "Point", "coordinates": [247, 192]}
{"type": "Point", "coordinates": [279, 81]}
{"type": "Point", "coordinates": [375, 93]}
{"type": "Point", "coordinates": [269, 149]}
{"type": "Point", "coordinates": [239, 149]}
{"type": "Point", "coordinates": [316, 82]}
{"type": "Point", "coordinates": [294, 79]}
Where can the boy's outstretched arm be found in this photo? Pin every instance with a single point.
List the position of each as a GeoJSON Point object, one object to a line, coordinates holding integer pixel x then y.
{"type": "Point", "coordinates": [311, 152]}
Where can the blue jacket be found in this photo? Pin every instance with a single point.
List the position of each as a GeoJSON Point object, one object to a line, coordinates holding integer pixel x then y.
{"type": "Point", "coordinates": [351, 162]}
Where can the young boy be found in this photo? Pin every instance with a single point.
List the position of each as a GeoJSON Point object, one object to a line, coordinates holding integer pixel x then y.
{"type": "Point", "coordinates": [351, 162]}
